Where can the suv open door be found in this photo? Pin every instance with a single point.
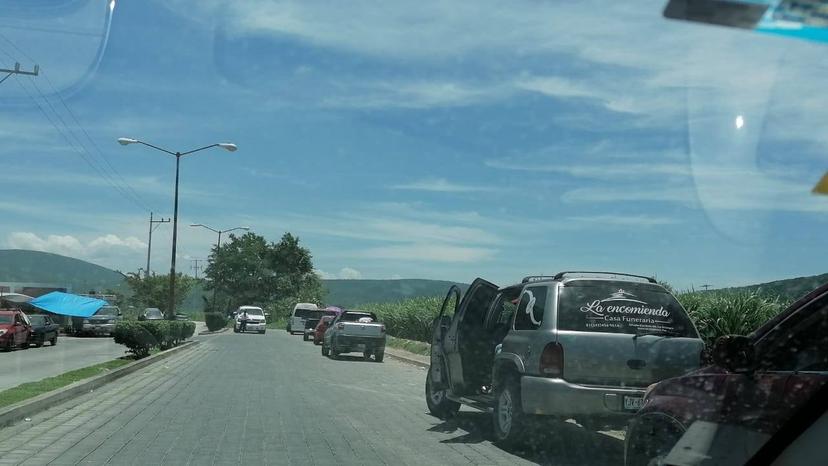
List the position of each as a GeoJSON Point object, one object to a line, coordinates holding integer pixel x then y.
{"type": "Point", "coordinates": [453, 335]}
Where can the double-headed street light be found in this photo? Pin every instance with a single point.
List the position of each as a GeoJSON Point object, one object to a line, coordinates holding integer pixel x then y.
{"type": "Point", "coordinates": [224, 145]}
{"type": "Point", "coordinates": [218, 246]}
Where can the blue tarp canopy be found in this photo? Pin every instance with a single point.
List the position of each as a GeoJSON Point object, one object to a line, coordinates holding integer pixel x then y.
{"type": "Point", "coordinates": [68, 304]}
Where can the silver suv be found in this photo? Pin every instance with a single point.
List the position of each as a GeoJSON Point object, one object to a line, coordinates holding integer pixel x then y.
{"type": "Point", "coordinates": [582, 345]}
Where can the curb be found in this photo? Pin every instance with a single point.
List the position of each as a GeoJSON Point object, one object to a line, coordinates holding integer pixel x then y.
{"type": "Point", "coordinates": [406, 359]}
{"type": "Point", "coordinates": [28, 408]}
{"type": "Point", "coordinates": [207, 332]}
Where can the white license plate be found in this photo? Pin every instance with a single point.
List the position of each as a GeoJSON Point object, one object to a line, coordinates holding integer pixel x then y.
{"type": "Point", "coordinates": [633, 403]}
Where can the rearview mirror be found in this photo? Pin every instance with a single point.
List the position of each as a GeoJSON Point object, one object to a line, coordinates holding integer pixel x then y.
{"type": "Point", "coordinates": [735, 353]}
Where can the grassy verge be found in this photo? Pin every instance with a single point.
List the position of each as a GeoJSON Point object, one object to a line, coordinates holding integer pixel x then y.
{"type": "Point", "coordinates": [33, 389]}
{"type": "Point", "coordinates": [280, 324]}
{"type": "Point", "coordinates": [412, 346]}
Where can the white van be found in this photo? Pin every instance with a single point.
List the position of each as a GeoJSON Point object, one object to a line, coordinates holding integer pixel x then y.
{"type": "Point", "coordinates": [301, 312]}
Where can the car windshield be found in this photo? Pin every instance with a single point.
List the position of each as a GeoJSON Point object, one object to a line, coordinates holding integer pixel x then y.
{"type": "Point", "coordinates": [37, 319]}
{"type": "Point", "coordinates": [6, 319]}
{"type": "Point", "coordinates": [441, 168]}
{"type": "Point", "coordinates": [107, 311]}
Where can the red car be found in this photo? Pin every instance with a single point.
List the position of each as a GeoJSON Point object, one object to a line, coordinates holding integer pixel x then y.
{"type": "Point", "coordinates": [319, 330]}
{"type": "Point", "coordinates": [755, 385]}
{"type": "Point", "coordinates": [14, 329]}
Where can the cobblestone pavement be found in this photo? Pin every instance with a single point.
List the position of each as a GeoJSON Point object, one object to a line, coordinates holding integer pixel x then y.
{"type": "Point", "coordinates": [273, 399]}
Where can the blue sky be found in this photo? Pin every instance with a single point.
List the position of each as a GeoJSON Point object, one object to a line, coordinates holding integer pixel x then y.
{"type": "Point", "coordinates": [441, 140]}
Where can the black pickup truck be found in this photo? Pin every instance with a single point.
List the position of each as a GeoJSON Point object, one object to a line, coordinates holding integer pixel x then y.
{"type": "Point", "coordinates": [43, 329]}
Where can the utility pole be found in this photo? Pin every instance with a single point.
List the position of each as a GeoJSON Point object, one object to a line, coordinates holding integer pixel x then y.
{"type": "Point", "coordinates": [17, 70]}
{"type": "Point", "coordinates": [706, 287]}
{"type": "Point", "coordinates": [153, 224]}
{"type": "Point", "coordinates": [196, 267]}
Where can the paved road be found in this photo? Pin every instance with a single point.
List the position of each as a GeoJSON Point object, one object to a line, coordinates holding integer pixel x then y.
{"type": "Point", "coordinates": [71, 353]}
{"type": "Point", "coordinates": [30, 365]}
{"type": "Point", "coordinates": [273, 399]}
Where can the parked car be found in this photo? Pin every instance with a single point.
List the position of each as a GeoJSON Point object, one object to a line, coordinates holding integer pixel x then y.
{"type": "Point", "coordinates": [101, 323]}
{"type": "Point", "coordinates": [300, 313]}
{"type": "Point", "coordinates": [255, 319]}
{"type": "Point", "coordinates": [355, 331]}
{"type": "Point", "coordinates": [43, 329]}
{"type": "Point", "coordinates": [321, 327]}
{"type": "Point", "coordinates": [14, 329]}
{"type": "Point", "coordinates": [580, 345]}
{"type": "Point", "coordinates": [757, 382]}
{"type": "Point", "coordinates": [151, 313]}
{"type": "Point", "coordinates": [315, 317]}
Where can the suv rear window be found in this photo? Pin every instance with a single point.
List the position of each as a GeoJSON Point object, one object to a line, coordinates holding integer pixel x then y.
{"type": "Point", "coordinates": [621, 307]}
{"type": "Point", "coordinates": [304, 313]}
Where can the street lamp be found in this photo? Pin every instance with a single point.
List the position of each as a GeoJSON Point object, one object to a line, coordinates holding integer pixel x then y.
{"type": "Point", "coordinates": [218, 246]}
{"type": "Point", "coordinates": [224, 145]}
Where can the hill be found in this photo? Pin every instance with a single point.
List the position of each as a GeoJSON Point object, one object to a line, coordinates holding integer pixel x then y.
{"type": "Point", "coordinates": [18, 265]}
{"type": "Point", "coordinates": [789, 289]}
{"type": "Point", "coordinates": [352, 293]}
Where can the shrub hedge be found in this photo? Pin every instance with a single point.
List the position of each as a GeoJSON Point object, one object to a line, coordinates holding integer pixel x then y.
{"type": "Point", "coordinates": [142, 336]}
{"type": "Point", "coordinates": [215, 321]}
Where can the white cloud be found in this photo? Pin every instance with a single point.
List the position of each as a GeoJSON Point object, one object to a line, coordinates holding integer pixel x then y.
{"type": "Point", "coordinates": [347, 273]}
{"type": "Point", "coordinates": [442, 185]}
{"type": "Point", "coordinates": [427, 253]}
{"type": "Point", "coordinates": [415, 95]}
{"type": "Point", "coordinates": [110, 250]}
{"type": "Point", "coordinates": [621, 220]}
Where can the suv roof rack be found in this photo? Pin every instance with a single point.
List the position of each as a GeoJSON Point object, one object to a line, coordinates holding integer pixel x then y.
{"type": "Point", "coordinates": [560, 275]}
{"type": "Point", "coordinates": [536, 278]}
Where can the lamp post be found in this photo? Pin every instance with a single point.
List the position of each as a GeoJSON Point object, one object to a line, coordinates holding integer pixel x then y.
{"type": "Point", "coordinates": [218, 246]}
{"type": "Point", "coordinates": [224, 145]}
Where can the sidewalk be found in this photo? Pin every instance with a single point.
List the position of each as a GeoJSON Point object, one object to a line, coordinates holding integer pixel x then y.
{"type": "Point", "coordinates": [407, 356]}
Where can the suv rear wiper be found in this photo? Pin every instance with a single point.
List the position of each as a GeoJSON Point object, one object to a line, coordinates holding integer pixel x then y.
{"type": "Point", "coordinates": [664, 334]}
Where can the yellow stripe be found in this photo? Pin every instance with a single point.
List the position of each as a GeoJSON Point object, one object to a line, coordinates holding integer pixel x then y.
{"type": "Point", "coordinates": [822, 186]}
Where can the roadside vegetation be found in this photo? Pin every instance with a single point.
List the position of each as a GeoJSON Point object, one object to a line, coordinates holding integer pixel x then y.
{"type": "Point", "coordinates": [141, 337]}
{"type": "Point", "coordinates": [32, 389]}
{"type": "Point", "coordinates": [715, 313]}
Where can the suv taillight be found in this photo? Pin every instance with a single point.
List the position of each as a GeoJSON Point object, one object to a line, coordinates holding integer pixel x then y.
{"type": "Point", "coordinates": [551, 360]}
{"type": "Point", "coordinates": [340, 326]}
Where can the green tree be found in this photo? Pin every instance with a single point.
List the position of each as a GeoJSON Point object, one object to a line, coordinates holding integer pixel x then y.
{"type": "Point", "coordinates": [154, 291]}
{"type": "Point", "coordinates": [249, 270]}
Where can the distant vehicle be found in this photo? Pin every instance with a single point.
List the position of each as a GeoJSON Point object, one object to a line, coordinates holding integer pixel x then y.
{"type": "Point", "coordinates": [580, 345]}
{"type": "Point", "coordinates": [101, 323]}
{"type": "Point", "coordinates": [151, 313]}
{"type": "Point", "coordinates": [321, 327]}
{"type": "Point", "coordinates": [355, 331]}
{"type": "Point", "coordinates": [43, 329]}
{"type": "Point", "coordinates": [14, 329]}
{"type": "Point", "coordinates": [255, 319]}
{"type": "Point", "coordinates": [757, 382]}
{"type": "Point", "coordinates": [300, 313]}
{"type": "Point", "coordinates": [314, 318]}
{"type": "Point", "coordinates": [180, 316]}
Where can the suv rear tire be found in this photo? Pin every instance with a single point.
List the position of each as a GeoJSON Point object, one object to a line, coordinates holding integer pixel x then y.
{"type": "Point", "coordinates": [379, 355]}
{"type": "Point", "coordinates": [508, 418]}
{"type": "Point", "coordinates": [325, 350]}
{"type": "Point", "coordinates": [438, 405]}
{"type": "Point", "coordinates": [305, 336]}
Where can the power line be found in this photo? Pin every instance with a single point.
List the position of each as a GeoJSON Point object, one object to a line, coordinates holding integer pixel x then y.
{"type": "Point", "coordinates": [81, 152]}
{"type": "Point", "coordinates": [124, 188]}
